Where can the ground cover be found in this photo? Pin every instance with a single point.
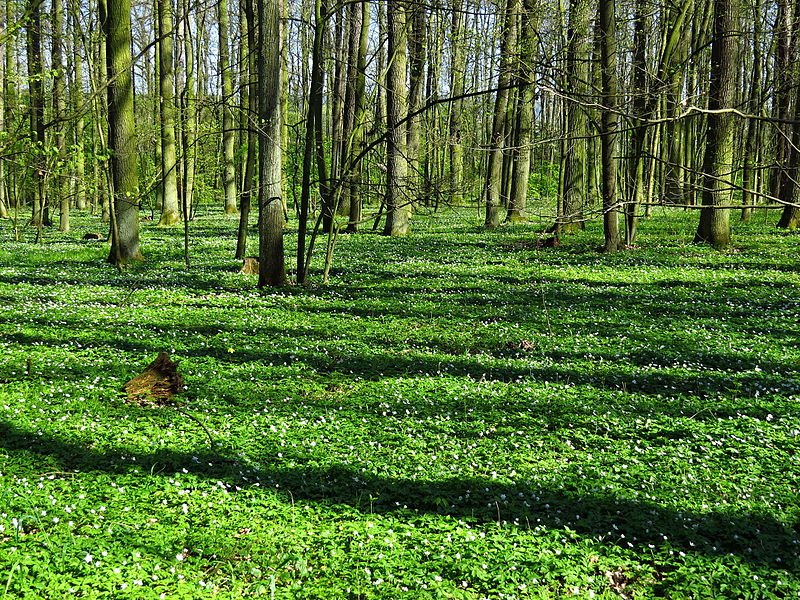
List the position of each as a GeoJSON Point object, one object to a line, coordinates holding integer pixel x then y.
{"type": "Point", "coordinates": [458, 414]}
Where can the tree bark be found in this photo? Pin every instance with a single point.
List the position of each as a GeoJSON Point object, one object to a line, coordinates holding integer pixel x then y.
{"type": "Point", "coordinates": [122, 133]}
{"type": "Point", "coordinates": [494, 171]}
{"type": "Point", "coordinates": [608, 124]}
{"type": "Point", "coordinates": [272, 271]}
{"type": "Point", "coordinates": [575, 184]}
{"type": "Point", "coordinates": [714, 227]}
{"type": "Point", "coordinates": [398, 201]}
{"type": "Point", "coordinates": [228, 133]}
{"type": "Point", "coordinates": [170, 207]}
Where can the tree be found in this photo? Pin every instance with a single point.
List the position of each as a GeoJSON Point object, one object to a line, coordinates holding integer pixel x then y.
{"type": "Point", "coordinates": [523, 126]}
{"type": "Point", "coordinates": [714, 227]}
{"type": "Point", "coordinates": [36, 111]}
{"type": "Point", "coordinates": [272, 271]}
{"type": "Point", "coordinates": [608, 124]}
{"type": "Point", "coordinates": [574, 185]}
{"type": "Point", "coordinates": [59, 111]}
{"type": "Point", "coordinates": [170, 208]}
{"type": "Point", "coordinates": [398, 204]}
{"type": "Point", "coordinates": [228, 133]}
{"type": "Point", "coordinates": [494, 171]}
{"type": "Point", "coordinates": [115, 16]}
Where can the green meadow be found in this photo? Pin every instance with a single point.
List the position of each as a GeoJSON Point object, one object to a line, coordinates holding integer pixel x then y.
{"type": "Point", "coordinates": [457, 414]}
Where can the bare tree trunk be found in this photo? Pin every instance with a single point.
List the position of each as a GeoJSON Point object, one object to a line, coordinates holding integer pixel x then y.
{"type": "Point", "coordinates": [608, 126]}
{"type": "Point", "coordinates": [228, 133]}
{"type": "Point", "coordinates": [398, 201]}
{"type": "Point", "coordinates": [574, 160]}
{"type": "Point", "coordinates": [170, 207]}
{"type": "Point", "coordinates": [517, 202]}
{"type": "Point", "coordinates": [714, 227]}
{"type": "Point", "coordinates": [36, 111]}
{"type": "Point", "coordinates": [122, 133]}
{"type": "Point", "coordinates": [272, 271]}
{"type": "Point", "coordinates": [458, 69]}
{"type": "Point", "coordinates": [250, 110]}
{"type": "Point", "coordinates": [494, 171]}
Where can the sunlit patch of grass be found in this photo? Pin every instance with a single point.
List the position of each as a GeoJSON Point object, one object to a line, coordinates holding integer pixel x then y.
{"type": "Point", "coordinates": [458, 414]}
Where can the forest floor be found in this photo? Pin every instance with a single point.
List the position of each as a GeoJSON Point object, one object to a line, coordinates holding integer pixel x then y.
{"type": "Point", "coordinates": [458, 414]}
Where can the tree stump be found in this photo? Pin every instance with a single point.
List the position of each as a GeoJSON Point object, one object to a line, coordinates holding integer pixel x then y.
{"type": "Point", "coordinates": [158, 383]}
{"type": "Point", "coordinates": [250, 265]}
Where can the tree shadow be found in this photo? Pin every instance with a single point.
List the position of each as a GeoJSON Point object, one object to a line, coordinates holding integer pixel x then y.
{"type": "Point", "coordinates": [752, 537]}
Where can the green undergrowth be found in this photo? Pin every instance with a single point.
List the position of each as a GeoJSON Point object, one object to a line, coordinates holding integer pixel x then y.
{"type": "Point", "coordinates": [458, 414]}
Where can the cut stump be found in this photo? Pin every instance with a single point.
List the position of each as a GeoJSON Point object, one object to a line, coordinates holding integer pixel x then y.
{"type": "Point", "coordinates": [250, 265]}
{"type": "Point", "coordinates": [158, 383]}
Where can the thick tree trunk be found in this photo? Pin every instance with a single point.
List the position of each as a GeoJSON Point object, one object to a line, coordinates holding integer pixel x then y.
{"type": "Point", "coordinates": [122, 133]}
{"type": "Point", "coordinates": [575, 184]}
{"type": "Point", "coordinates": [714, 227]}
{"type": "Point", "coordinates": [272, 271]}
{"type": "Point", "coordinates": [524, 114]}
{"type": "Point", "coordinates": [608, 124]}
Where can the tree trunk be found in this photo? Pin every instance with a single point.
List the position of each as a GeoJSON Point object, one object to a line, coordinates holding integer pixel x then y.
{"type": "Point", "coordinates": [494, 171]}
{"type": "Point", "coordinates": [170, 207]}
{"type": "Point", "coordinates": [36, 111]}
{"type": "Point", "coordinates": [228, 133]}
{"type": "Point", "coordinates": [272, 271]}
{"type": "Point", "coordinates": [458, 70]}
{"type": "Point", "coordinates": [524, 113]}
{"type": "Point", "coordinates": [122, 133]}
{"type": "Point", "coordinates": [398, 202]}
{"type": "Point", "coordinates": [608, 124]}
{"type": "Point", "coordinates": [714, 227]}
{"type": "Point", "coordinates": [249, 109]}
{"type": "Point", "coordinates": [59, 113]}
{"type": "Point", "coordinates": [575, 184]}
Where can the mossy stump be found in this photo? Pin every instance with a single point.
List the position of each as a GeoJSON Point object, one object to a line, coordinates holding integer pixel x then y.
{"type": "Point", "coordinates": [158, 383]}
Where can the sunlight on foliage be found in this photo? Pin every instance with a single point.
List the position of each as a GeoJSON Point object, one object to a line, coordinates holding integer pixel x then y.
{"type": "Point", "coordinates": [457, 415]}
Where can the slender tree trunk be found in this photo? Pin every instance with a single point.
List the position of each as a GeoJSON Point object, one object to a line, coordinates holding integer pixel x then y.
{"type": "Point", "coordinates": [458, 70]}
{"type": "Point", "coordinates": [357, 140]}
{"type": "Point", "coordinates": [170, 207]}
{"type": "Point", "coordinates": [524, 113]}
{"type": "Point", "coordinates": [636, 161]}
{"type": "Point", "coordinates": [494, 171]}
{"type": "Point", "coordinates": [228, 132]}
{"type": "Point", "coordinates": [790, 190]}
{"type": "Point", "coordinates": [78, 108]}
{"type": "Point", "coordinates": [314, 109]}
{"type": "Point", "coordinates": [250, 110]}
{"type": "Point", "coordinates": [188, 103]}
{"type": "Point", "coordinates": [36, 110]}
{"type": "Point", "coordinates": [714, 227]}
{"type": "Point", "coordinates": [59, 112]}
{"type": "Point", "coordinates": [4, 35]}
{"type": "Point", "coordinates": [398, 199]}
{"type": "Point", "coordinates": [417, 58]}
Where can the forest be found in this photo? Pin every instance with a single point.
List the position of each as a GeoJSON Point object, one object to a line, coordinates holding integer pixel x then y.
{"type": "Point", "coordinates": [477, 299]}
{"type": "Point", "coordinates": [330, 117]}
